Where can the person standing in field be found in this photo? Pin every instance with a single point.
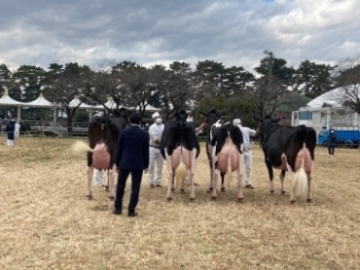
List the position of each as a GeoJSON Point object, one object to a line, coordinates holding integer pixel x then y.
{"type": "Point", "coordinates": [10, 130]}
{"type": "Point", "coordinates": [132, 157]}
{"type": "Point", "coordinates": [332, 142]}
{"type": "Point", "coordinates": [17, 129]}
{"type": "Point", "coordinates": [155, 132]}
{"type": "Point", "coordinates": [247, 154]}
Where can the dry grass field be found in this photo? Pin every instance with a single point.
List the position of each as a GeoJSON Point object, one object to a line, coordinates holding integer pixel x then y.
{"type": "Point", "coordinates": [47, 222]}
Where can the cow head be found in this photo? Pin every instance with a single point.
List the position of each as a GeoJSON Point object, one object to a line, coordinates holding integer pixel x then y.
{"type": "Point", "coordinates": [265, 125]}
{"type": "Point", "coordinates": [181, 116]}
{"type": "Point", "coordinates": [211, 116]}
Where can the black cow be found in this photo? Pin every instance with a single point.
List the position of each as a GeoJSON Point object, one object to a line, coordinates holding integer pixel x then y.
{"type": "Point", "coordinates": [180, 148]}
{"type": "Point", "coordinates": [103, 137]}
{"type": "Point", "coordinates": [214, 123]}
{"type": "Point", "coordinates": [281, 145]}
{"type": "Point", "coordinates": [25, 127]}
{"type": "Point", "coordinates": [227, 143]}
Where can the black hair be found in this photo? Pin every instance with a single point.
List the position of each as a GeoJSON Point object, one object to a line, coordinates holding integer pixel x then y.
{"type": "Point", "coordinates": [135, 118]}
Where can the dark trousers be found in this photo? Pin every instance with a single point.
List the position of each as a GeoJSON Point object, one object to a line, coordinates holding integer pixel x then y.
{"type": "Point", "coordinates": [136, 176]}
{"type": "Point", "coordinates": [331, 149]}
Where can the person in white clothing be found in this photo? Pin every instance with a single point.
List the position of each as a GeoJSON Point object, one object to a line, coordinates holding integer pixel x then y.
{"type": "Point", "coordinates": [98, 178]}
{"type": "Point", "coordinates": [247, 155]}
{"type": "Point", "coordinates": [17, 129]}
{"type": "Point", "coordinates": [155, 132]}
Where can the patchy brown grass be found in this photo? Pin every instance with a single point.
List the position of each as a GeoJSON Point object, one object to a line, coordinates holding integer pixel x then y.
{"type": "Point", "coordinates": [47, 223]}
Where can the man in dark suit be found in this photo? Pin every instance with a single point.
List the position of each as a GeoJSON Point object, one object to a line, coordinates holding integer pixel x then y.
{"type": "Point", "coordinates": [132, 157]}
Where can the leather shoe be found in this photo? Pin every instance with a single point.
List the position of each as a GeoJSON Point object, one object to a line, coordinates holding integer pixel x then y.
{"type": "Point", "coordinates": [132, 214]}
{"type": "Point", "coordinates": [117, 212]}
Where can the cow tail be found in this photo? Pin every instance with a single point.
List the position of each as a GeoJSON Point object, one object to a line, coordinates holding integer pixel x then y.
{"type": "Point", "coordinates": [180, 172]}
{"type": "Point", "coordinates": [81, 146]}
{"type": "Point", "coordinates": [228, 173]}
{"type": "Point", "coordinates": [300, 182]}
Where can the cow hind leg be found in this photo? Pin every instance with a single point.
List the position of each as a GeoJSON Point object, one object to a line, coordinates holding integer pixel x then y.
{"type": "Point", "coordinates": [192, 173]}
{"type": "Point", "coordinates": [170, 177]}
{"type": "Point", "coordinates": [271, 176]}
{"type": "Point", "coordinates": [215, 179]}
{"type": "Point", "coordinates": [223, 189]}
{"type": "Point", "coordinates": [173, 184]}
{"type": "Point", "coordinates": [211, 176]}
{"type": "Point", "coordinates": [240, 176]}
{"type": "Point", "coordinates": [309, 185]}
{"type": "Point", "coordinates": [89, 176]}
{"type": "Point", "coordinates": [282, 177]}
{"type": "Point", "coordinates": [107, 177]}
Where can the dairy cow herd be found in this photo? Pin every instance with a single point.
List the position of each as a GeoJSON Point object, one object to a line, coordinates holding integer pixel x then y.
{"type": "Point", "coordinates": [288, 149]}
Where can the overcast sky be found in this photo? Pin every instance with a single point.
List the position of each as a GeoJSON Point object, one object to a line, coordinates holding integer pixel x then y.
{"type": "Point", "coordinates": [149, 32]}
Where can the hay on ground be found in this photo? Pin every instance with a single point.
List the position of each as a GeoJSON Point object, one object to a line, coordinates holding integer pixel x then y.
{"type": "Point", "coordinates": [47, 222]}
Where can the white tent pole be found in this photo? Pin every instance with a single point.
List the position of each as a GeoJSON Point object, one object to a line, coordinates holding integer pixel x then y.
{"type": "Point", "coordinates": [19, 113]}
{"type": "Point", "coordinates": [55, 116]}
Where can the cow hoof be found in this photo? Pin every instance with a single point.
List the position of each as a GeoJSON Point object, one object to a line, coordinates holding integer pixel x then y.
{"type": "Point", "coordinates": [182, 191]}
{"type": "Point", "coordinates": [89, 197]}
{"type": "Point", "coordinates": [111, 198]}
{"type": "Point", "coordinates": [292, 201]}
{"type": "Point", "coordinates": [173, 189]}
{"type": "Point", "coordinates": [240, 200]}
{"type": "Point", "coordinates": [192, 199]}
{"type": "Point", "coordinates": [106, 188]}
{"type": "Point", "coordinates": [209, 190]}
{"type": "Point", "coordinates": [222, 189]}
{"type": "Point", "coordinates": [213, 198]}
{"type": "Point", "coordinates": [308, 200]}
{"type": "Point", "coordinates": [283, 192]}
{"type": "Point", "coordinates": [272, 192]}
{"type": "Point", "coordinates": [169, 199]}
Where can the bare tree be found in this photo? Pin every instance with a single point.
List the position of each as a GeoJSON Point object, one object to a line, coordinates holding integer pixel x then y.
{"type": "Point", "coordinates": [347, 77]}
{"type": "Point", "coordinates": [267, 100]}
{"type": "Point", "coordinates": [63, 85]}
{"type": "Point", "coordinates": [177, 88]}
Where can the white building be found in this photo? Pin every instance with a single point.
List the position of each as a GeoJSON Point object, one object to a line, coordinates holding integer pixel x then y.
{"type": "Point", "coordinates": [328, 110]}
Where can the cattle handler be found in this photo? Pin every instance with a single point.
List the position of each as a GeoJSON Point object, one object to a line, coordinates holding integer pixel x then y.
{"type": "Point", "coordinates": [247, 154]}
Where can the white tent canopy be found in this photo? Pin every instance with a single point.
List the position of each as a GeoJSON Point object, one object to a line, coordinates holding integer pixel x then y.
{"type": "Point", "coordinates": [75, 103]}
{"type": "Point", "coordinates": [111, 104]}
{"type": "Point", "coordinates": [7, 100]}
{"type": "Point", "coordinates": [41, 101]}
{"type": "Point", "coordinates": [149, 108]}
{"type": "Point", "coordinates": [336, 97]}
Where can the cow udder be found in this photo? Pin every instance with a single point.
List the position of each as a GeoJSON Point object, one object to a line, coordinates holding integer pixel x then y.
{"type": "Point", "coordinates": [228, 150]}
{"type": "Point", "coordinates": [101, 158]}
{"type": "Point", "coordinates": [175, 158]}
{"type": "Point", "coordinates": [307, 161]}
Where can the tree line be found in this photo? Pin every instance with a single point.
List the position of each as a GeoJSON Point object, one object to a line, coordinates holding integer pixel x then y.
{"type": "Point", "coordinates": [210, 84]}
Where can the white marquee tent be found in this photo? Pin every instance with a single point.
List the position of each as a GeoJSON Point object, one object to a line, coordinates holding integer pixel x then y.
{"type": "Point", "coordinates": [6, 100]}
{"type": "Point", "coordinates": [42, 102]}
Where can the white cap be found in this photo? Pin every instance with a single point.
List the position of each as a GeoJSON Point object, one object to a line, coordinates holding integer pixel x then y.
{"type": "Point", "coordinates": [156, 114]}
{"type": "Point", "coordinates": [236, 121]}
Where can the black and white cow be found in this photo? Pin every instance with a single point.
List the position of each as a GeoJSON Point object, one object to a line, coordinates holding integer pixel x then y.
{"type": "Point", "coordinates": [101, 149]}
{"type": "Point", "coordinates": [283, 146]}
{"type": "Point", "coordinates": [226, 151]}
{"type": "Point", "coordinates": [214, 123]}
{"type": "Point", "coordinates": [180, 148]}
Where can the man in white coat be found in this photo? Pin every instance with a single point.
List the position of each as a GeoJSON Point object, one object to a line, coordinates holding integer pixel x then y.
{"type": "Point", "coordinates": [247, 155]}
{"type": "Point", "coordinates": [17, 129]}
{"type": "Point", "coordinates": [155, 132]}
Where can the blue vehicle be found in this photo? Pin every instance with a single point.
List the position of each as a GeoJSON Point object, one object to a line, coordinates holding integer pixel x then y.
{"type": "Point", "coordinates": [347, 136]}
